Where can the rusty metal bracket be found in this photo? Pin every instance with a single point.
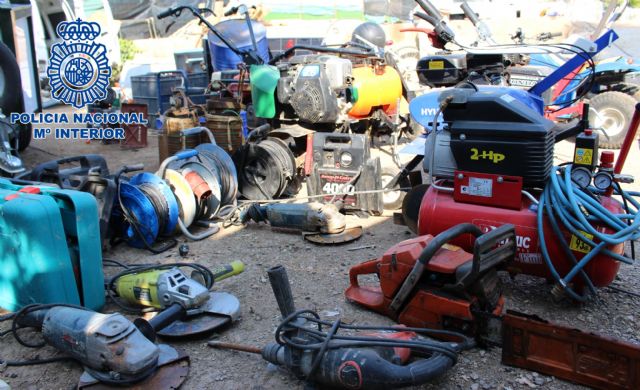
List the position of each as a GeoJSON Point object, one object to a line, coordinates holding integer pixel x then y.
{"type": "Point", "coordinates": [586, 358]}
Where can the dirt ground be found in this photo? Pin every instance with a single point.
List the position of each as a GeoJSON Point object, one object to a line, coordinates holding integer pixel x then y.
{"type": "Point", "coordinates": [319, 276]}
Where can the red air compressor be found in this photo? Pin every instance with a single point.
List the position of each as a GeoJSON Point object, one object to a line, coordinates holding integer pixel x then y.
{"type": "Point", "coordinates": [489, 167]}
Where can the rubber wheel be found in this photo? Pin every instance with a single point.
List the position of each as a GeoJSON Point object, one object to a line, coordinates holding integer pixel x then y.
{"type": "Point", "coordinates": [611, 112]}
{"type": "Point", "coordinates": [392, 200]}
{"type": "Point", "coordinates": [10, 85]}
{"type": "Point", "coordinates": [25, 136]}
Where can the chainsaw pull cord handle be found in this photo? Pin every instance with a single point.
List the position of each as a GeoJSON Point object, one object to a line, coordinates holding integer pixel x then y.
{"type": "Point", "coordinates": [425, 257]}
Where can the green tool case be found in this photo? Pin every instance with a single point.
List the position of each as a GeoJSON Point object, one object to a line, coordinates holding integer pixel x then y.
{"type": "Point", "coordinates": [50, 248]}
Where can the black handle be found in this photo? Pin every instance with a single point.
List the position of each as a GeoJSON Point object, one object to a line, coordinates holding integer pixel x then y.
{"type": "Point", "coordinates": [429, 19]}
{"type": "Point", "coordinates": [473, 17]}
{"type": "Point", "coordinates": [133, 168]}
{"type": "Point", "coordinates": [231, 11]}
{"type": "Point", "coordinates": [430, 9]}
{"type": "Point", "coordinates": [259, 132]}
{"type": "Point", "coordinates": [281, 289]}
{"type": "Point", "coordinates": [166, 13]}
{"type": "Point", "coordinates": [160, 321]}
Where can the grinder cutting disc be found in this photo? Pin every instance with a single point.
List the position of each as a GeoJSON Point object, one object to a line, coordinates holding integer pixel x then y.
{"type": "Point", "coordinates": [173, 368]}
{"type": "Point", "coordinates": [348, 235]}
{"type": "Point", "coordinates": [220, 310]}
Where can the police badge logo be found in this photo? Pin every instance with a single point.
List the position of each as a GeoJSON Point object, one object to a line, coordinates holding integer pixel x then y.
{"type": "Point", "coordinates": [78, 69]}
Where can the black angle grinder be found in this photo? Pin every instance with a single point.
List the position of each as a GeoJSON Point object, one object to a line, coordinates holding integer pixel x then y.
{"type": "Point", "coordinates": [113, 352]}
{"type": "Point", "coordinates": [320, 223]}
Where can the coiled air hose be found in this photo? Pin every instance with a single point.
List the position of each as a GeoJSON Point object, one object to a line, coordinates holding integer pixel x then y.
{"type": "Point", "coordinates": [579, 211]}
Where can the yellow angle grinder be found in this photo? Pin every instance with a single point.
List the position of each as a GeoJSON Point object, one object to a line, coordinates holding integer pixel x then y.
{"type": "Point", "coordinates": [188, 307]}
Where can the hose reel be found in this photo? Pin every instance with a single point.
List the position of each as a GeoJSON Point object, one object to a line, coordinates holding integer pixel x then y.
{"type": "Point", "coordinates": [150, 210]}
{"type": "Point", "coordinates": [203, 180]}
{"type": "Point", "coordinates": [267, 167]}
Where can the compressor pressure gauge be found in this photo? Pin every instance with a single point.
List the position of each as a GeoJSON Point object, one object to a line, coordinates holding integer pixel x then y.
{"type": "Point", "coordinates": [602, 180]}
{"type": "Point", "coordinates": [581, 176]}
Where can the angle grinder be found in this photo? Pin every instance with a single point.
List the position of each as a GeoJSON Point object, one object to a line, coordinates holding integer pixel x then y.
{"type": "Point", "coordinates": [320, 223]}
{"type": "Point", "coordinates": [187, 306]}
{"type": "Point", "coordinates": [113, 352]}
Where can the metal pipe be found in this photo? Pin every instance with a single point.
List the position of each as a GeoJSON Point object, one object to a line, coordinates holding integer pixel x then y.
{"type": "Point", "coordinates": [628, 140]}
{"type": "Point", "coordinates": [235, 347]}
{"type": "Point", "coordinates": [632, 132]}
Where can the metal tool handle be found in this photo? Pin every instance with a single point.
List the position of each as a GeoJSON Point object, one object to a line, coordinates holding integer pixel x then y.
{"type": "Point", "coordinates": [181, 155]}
{"type": "Point", "coordinates": [198, 130]}
{"type": "Point", "coordinates": [430, 9]}
{"type": "Point", "coordinates": [473, 17]}
{"type": "Point", "coordinates": [281, 289]}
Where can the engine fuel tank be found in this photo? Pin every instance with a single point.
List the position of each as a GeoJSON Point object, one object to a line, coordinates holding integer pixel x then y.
{"type": "Point", "coordinates": [376, 87]}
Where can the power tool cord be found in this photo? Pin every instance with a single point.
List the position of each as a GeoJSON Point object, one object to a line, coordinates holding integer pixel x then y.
{"type": "Point", "coordinates": [138, 227]}
{"type": "Point", "coordinates": [578, 212]}
{"type": "Point", "coordinates": [331, 340]}
{"type": "Point", "coordinates": [15, 327]}
{"type": "Point", "coordinates": [206, 273]}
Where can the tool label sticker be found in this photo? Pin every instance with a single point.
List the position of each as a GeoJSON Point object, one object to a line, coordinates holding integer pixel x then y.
{"type": "Point", "coordinates": [478, 187]}
{"type": "Point", "coordinates": [436, 65]}
{"type": "Point", "coordinates": [583, 156]}
{"type": "Point", "coordinates": [578, 245]}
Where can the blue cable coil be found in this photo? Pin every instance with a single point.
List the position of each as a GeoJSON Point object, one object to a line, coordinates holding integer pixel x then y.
{"type": "Point", "coordinates": [573, 208]}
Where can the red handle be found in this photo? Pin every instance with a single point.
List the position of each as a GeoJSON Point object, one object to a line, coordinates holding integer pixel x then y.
{"type": "Point", "coordinates": [366, 268]}
{"type": "Point", "coordinates": [417, 29]}
{"type": "Point", "coordinates": [628, 140]}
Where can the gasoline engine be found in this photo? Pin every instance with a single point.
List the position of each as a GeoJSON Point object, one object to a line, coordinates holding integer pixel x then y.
{"type": "Point", "coordinates": [327, 89]}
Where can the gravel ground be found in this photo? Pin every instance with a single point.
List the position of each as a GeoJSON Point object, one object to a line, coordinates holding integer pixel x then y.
{"type": "Point", "coordinates": [319, 278]}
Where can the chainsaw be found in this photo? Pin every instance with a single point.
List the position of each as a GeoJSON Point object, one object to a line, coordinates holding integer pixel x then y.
{"type": "Point", "coordinates": [427, 282]}
{"type": "Point", "coordinates": [187, 307]}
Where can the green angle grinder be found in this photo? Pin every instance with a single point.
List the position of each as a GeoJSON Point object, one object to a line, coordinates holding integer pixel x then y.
{"type": "Point", "coordinates": [187, 306]}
